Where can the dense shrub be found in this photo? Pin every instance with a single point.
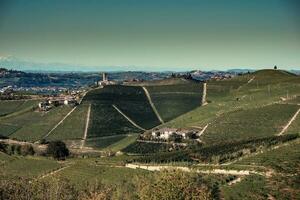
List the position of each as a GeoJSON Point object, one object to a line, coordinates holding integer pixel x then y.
{"type": "Point", "coordinates": [3, 137]}
{"type": "Point", "coordinates": [26, 150]}
{"type": "Point", "coordinates": [175, 184]}
{"type": "Point", "coordinates": [58, 150]}
{"type": "Point", "coordinates": [219, 153]}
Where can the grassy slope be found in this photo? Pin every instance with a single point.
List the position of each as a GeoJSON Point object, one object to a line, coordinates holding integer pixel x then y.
{"type": "Point", "coordinates": [36, 125]}
{"type": "Point", "coordinates": [174, 100]}
{"type": "Point", "coordinates": [251, 123]}
{"type": "Point", "coordinates": [223, 94]}
{"type": "Point", "coordinates": [73, 126]}
{"type": "Point", "coordinates": [7, 107]}
{"type": "Point", "coordinates": [121, 144]}
{"type": "Point", "coordinates": [295, 126]}
{"type": "Point", "coordinates": [89, 170]}
{"type": "Point", "coordinates": [28, 166]}
{"type": "Point", "coordinates": [105, 120]}
{"type": "Point", "coordinates": [284, 159]}
{"type": "Point", "coordinates": [103, 142]}
{"type": "Point", "coordinates": [251, 187]}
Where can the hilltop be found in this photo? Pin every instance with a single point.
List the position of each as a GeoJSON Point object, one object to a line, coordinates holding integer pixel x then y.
{"type": "Point", "coordinates": [246, 132]}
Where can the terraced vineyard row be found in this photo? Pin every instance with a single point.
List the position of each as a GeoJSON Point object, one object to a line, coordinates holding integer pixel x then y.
{"type": "Point", "coordinates": [172, 101]}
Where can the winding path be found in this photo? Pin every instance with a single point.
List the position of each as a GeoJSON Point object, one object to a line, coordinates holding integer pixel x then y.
{"type": "Point", "coordinates": [152, 105]}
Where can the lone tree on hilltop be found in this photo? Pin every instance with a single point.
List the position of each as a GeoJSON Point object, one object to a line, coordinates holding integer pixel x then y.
{"type": "Point", "coordinates": [58, 150]}
{"type": "Point", "coordinates": [275, 67]}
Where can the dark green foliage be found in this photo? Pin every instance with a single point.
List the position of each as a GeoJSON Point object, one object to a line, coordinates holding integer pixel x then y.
{"type": "Point", "coordinates": [26, 189]}
{"type": "Point", "coordinates": [224, 152]}
{"type": "Point", "coordinates": [106, 121]}
{"type": "Point", "coordinates": [3, 137]}
{"type": "Point", "coordinates": [217, 153]}
{"type": "Point", "coordinates": [58, 150]}
{"type": "Point", "coordinates": [104, 142]}
{"type": "Point", "coordinates": [146, 148]}
{"type": "Point", "coordinates": [132, 101]}
{"type": "Point", "coordinates": [172, 101]}
{"type": "Point", "coordinates": [166, 157]}
{"type": "Point", "coordinates": [167, 185]}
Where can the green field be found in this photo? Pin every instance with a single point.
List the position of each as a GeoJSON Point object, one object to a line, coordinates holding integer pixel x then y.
{"type": "Point", "coordinates": [104, 141]}
{"type": "Point", "coordinates": [172, 101]}
{"type": "Point", "coordinates": [252, 123]}
{"type": "Point", "coordinates": [121, 144]}
{"type": "Point", "coordinates": [73, 126]}
{"type": "Point", "coordinates": [251, 187]}
{"type": "Point", "coordinates": [223, 95]}
{"type": "Point", "coordinates": [285, 159]}
{"type": "Point", "coordinates": [9, 107]}
{"type": "Point", "coordinates": [35, 126]}
{"type": "Point", "coordinates": [90, 170]}
{"type": "Point", "coordinates": [130, 100]}
{"type": "Point", "coordinates": [106, 121]}
{"type": "Point", "coordinates": [28, 167]}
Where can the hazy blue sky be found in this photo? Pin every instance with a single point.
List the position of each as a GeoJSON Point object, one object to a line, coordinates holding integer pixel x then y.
{"type": "Point", "coordinates": [158, 34]}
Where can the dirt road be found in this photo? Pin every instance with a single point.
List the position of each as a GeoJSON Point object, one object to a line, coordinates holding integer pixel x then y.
{"type": "Point", "coordinates": [130, 120]}
{"type": "Point", "coordinates": [86, 127]}
{"type": "Point", "coordinates": [153, 106]}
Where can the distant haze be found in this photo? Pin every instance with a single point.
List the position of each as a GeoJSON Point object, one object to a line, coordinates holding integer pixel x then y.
{"type": "Point", "coordinates": [151, 35]}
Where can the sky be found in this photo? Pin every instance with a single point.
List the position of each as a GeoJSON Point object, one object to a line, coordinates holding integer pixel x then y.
{"type": "Point", "coordinates": [153, 34]}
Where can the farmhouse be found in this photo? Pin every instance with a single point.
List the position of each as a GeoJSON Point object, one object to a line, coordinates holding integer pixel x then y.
{"type": "Point", "coordinates": [44, 106]}
{"type": "Point", "coordinates": [167, 133]}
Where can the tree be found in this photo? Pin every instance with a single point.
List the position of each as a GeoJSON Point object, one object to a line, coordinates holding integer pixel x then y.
{"type": "Point", "coordinates": [58, 150]}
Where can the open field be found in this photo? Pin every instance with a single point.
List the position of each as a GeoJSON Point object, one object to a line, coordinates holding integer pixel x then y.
{"type": "Point", "coordinates": [106, 121]}
{"type": "Point", "coordinates": [28, 167]}
{"type": "Point", "coordinates": [72, 127]}
{"type": "Point", "coordinates": [251, 187]}
{"type": "Point", "coordinates": [121, 144]}
{"type": "Point", "coordinates": [285, 159]}
{"type": "Point", "coordinates": [35, 126]}
{"type": "Point", "coordinates": [104, 141]}
{"type": "Point", "coordinates": [130, 100]}
{"type": "Point", "coordinates": [91, 171]}
{"type": "Point", "coordinates": [172, 101]}
{"type": "Point", "coordinates": [245, 96]}
{"type": "Point", "coordinates": [252, 123]}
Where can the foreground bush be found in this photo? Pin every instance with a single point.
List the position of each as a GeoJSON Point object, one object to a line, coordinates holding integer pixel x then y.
{"type": "Point", "coordinates": [166, 185]}
{"type": "Point", "coordinates": [176, 184]}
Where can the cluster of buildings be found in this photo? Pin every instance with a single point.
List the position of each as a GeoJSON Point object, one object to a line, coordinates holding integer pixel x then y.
{"type": "Point", "coordinates": [6, 90]}
{"type": "Point", "coordinates": [57, 101]}
{"type": "Point", "coordinates": [174, 134]}
{"type": "Point", "coordinates": [105, 81]}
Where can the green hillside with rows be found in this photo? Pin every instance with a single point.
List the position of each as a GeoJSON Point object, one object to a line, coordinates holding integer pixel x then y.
{"type": "Point", "coordinates": [31, 125]}
{"type": "Point", "coordinates": [252, 134]}
{"type": "Point", "coordinates": [174, 100]}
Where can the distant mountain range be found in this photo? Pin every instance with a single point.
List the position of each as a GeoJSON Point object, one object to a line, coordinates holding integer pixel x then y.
{"type": "Point", "coordinates": [12, 62]}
